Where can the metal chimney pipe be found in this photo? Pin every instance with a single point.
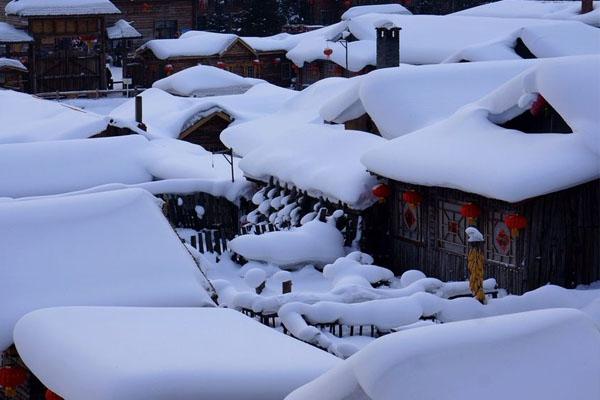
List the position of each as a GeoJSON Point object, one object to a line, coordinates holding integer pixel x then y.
{"type": "Point", "coordinates": [139, 113]}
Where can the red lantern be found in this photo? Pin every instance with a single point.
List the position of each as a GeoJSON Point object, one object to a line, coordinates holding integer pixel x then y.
{"type": "Point", "coordinates": [221, 64]}
{"type": "Point", "coordinates": [538, 106]}
{"type": "Point", "coordinates": [412, 198]}
{"type": "Point", "coordinates": [471, 212]}
{"type": "Point", "coordinates": [328, 52]}
{"type": "Point", "coordinates": [10, 378]}
{"type": "Point", "coordinates": [50, 395]}
{"type": "Point", "coordinates": [515, 223]}
{"type": "Point", "coordinates": [347, 3]}
{"type": "Point", "coordinates": [168, 69]}
{"type": "Point", "coordinates": [382, 191]}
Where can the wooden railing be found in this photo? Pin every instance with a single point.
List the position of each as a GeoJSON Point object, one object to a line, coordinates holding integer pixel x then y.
{"type": "Point", "coordinates": [94, 94]}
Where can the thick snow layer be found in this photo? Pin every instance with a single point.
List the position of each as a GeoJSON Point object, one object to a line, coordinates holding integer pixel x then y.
{"type": "Point", "coordinates": [190, 44]}
{"type": "Point", "coordinates": [299, 111]}
{"type": "Point", "coordinates": [551, 354]}
{"type": "Point", "coordinates": [440, 154]}
{"type": "Point", "coordinates": [25, 118]}
{"type": "Point", "coordinates": [11, 63]}
{"type": "Point", "coordinates": [111, 248]}
{"type": "Point", "coordinates": [569, 10]}
{"type": "Point", "coordinates": [168, 116]}
{"type": "Point", "coordinates": [43, 168]}
{"type": "Point", "coordinates": [164, 353]}
{"type": "Point", "coordinates": [401, 100]}
{"type": "Point", "coordinates": [314, 242]}
{"type": "Point", "coordinates": [10, 34]}
{"type": "Point", "coordinates": [122, 30]}
{"type": "Point", "coordinates": [361, 53]}
{"type": "Point", "coordinates": [28, 8]}
{"type": "Point", "coordinates": [321, 159]}
{"type": "Point", "coordinates": [357, 11]}
{"type": "Point", "coordinates": [204, 80]}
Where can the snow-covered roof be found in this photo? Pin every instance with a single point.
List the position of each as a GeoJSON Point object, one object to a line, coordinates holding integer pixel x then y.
{"type": "Point", "coordinates": [205, 80]}
{"type": "Point", "coordinates": [168, 116]}
{"type": "Point", "coordinates": [52, 167]}
{"type": "Point", "coordinates": [12, 63]}
{"type": "Point", "coordinates": [402, 100]}
{"type": "Point", "coordinates": [470, 152]}
{"type": "Point", "coordinates": [191, 44]}
{"type": "Point", "coordinates": [568, 10]}
{"type": "Point", "coordinates": [122, 30]}
{"type": "Point", "coordinates": [548, 354]}
{"type": "Point", "coordinates": [26, 118]}
{"type": "Point", "coordinates": [10, 34]}
{"type": "Point", "coordinates": [357, 11]}
{"type": "Point", "coordinates": [162, 353]}
{"type": "Point", "coordinates": [323, 160]}
{"type": "Point", "coordinates": [111, 248]}
{"type": "Point", "coordinates": [30, 8]}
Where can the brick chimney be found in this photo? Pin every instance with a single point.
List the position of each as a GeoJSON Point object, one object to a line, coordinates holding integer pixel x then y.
{"type": "Point", "coordinates": [388, 45]}
{"type": "Point", "coordinates": [586, 6]}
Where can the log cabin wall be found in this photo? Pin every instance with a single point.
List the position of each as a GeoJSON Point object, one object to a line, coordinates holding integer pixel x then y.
{"type": "Point", "coordinates": [559, 246]}
{"type": "Point", "coordinates": [321, 69]}
{"type": "Point", "coordinates": [69, 53]}
{"type": "Point", "coordinates": [207, 132]}
{"type": "Point", "coordinates": [156, 19]}
{"type": "Point", "coordinates": [13, 79]}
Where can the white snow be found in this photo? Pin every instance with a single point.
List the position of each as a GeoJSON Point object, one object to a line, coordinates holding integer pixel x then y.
{"type": "Point", "coordinates": [164, 353]}
{"type": "Point", "coordinates": [440, 154]}
{"type": "Point", "coordinates": [10, 34]}
{"type": "Point", "coordinates": [29, 8]}
{"type": "Point", "coordinates": [204, 80]}
{"type": "Point", "coordinates": [122, 30]}
{"type": "Point", "coordinates": [323, 160]}
{"type": "Point", "coordinates": [53, 167]}
{"type": "Point", "coordinates": [401, 100]}
{"type": "Point", "coordinates": [11, 63]}
{"type": "Point", "coordinates": [314, 242]}
{"type": "Point", "coordinates": [25, 118]}
{"type": "Point", "coordinates": [550, 354]}
{"type": "Point", "coordinates": [110, 248]}
{"type": "Point", "coordinates": [567, 10]}
{"type": "Point", "coordinates": [190, 44]}
{"type": "Point", "coordinates": [357, 11]}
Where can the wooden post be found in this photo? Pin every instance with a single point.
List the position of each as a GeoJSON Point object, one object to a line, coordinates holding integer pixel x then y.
{"type": "Point", "coordinates": [139, 112]}
{"type": "Point", "coordinates": [260, 288]}
{"type": "Point", "coordinates": [586, 6]}
{"type": "Point", "coordinates": [286, 287]}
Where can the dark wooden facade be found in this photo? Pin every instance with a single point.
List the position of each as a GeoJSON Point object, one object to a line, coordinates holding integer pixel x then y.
{"type": "Point", "coordinates": [206, 131]}
{"type": "Point", "coordinates": [13, 78]}
{"type": "Point", "coordinates": [321, 69]}
{"type": "Point", "coordinates": [157, 19]}
{"type": "Point", "coordinates": [239, 59]}
{"type": "Point", "coordinates": [558, 246]}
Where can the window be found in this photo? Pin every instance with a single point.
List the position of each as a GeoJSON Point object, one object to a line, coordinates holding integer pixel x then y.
{"type": "Point", "coordinates": [165, 29]}
{"type": "Point", "coordinates": [409, 220]}
{"type": "Point", "coordinates": [451, 228]}
{"type": "Point", "coordinates": [3, 50]}
{"type": "Point", "coordinates": [500, 246]}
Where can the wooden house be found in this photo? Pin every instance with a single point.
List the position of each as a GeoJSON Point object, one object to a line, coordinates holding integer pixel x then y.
{"type": "Point", "coordinates": [511, 166]}
{"type": "Point", "coordinates": [163, 57]}
{"type": "Point", "coordinates": [69, 50]}
{"type": "Point", "coordinates": [206, 131]}
{"type": "Point", "coordinates": [13, 74]}
{"type": "Point", "coordinates": [121, 38]}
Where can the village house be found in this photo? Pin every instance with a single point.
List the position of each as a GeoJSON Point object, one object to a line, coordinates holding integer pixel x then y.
{"type": "Point", "coordinates": [13, 74]}
{"type": "Point", "coordinates": [15, 47]}
{"type": "Point", "coordinates": [69, 48]}
{"type": "Point", "coordinates": [121, 38]}
{"type": "Point", "coordinates": [489, 166]}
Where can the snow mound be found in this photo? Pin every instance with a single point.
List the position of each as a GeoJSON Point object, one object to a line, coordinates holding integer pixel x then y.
{"type": "Point", "coordinates": [10, 34]}
{"type": "Point", "coordinates": [314, 242]}
{"type": "Point", "coordinates": [163, 353]}
{"type": "Point", "coordinates": [357, 11]}
{"type": "Point", "coordinates": [203, 80]}
{"type": "Point", "coordinates": [122, 30]}
{"type": "Point", "coordinates": [350, 271]}
{"type": "Point", "coordinates": [28, 8]}
{"type": "Point", "coordinates": [110, 248]}
{"type": "Point", "coordinates": [547, 354]}
{"type": "Point", "coordinates": [190, 44]}
{"type": "Point", "coordinates": [12, 63]}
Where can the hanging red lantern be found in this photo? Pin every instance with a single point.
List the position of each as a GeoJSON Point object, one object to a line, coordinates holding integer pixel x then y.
{"type": "Point", "coordinates": [347, 3]}
{"type": "Point", "coordinates": [382, 191]}
{"type": "Point", "coordinates": [168, 69]}
{"type": "Point", "coordinates": [221, 64]}
{"type": "Point", "coordinates": [538, 106]}
{"type": "Point", "coordinates": [471, 212]}
{"type": "Point", "coordinates": [328, 52]}
{"type": "Point", "coordinates": [10, 378]}
{"type": "Point", "coordinates": [50, 395]}
{"type": "Point", "coordinates": [515, 223]}
{"type": "Point", "coordinates": [411, 197]}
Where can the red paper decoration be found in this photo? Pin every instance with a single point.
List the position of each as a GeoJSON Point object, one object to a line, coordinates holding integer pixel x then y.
{"type": "Point", "coordinates": [515, 223]}
{"type": "Point", "coordinates": [412, 197]}
{"type": "Point", "coordinates": [382, 191]}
